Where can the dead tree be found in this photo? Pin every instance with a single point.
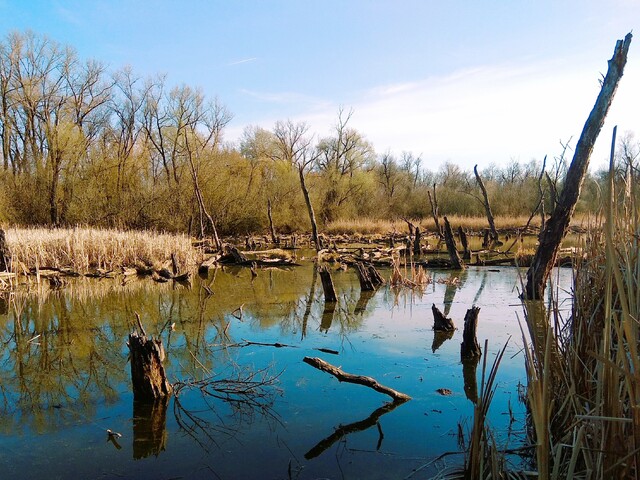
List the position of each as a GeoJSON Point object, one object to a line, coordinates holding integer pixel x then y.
{"type": "Point", "coordinates": [487, 206]}
{"type": "Point", "coordinates": [466, 253]}
{"type": "Point", "coordinates": [558, 224]}
{"type": "Point", "coordinates": [456, 261]}
{"type": "Point", "coordinates": [274, 238]}
{"type": "Point", "coordinates": [5, 253]}
{"type": "Point", "coordinates": [368, 276]}
{"type": "Point", "coordinates": [434, 211]}
{"type": "Point", "coordinates": [417, 249]}
{"type": "Point", "coordinates": [147, 372]}
{"type": "Point", "coordinates": [327, 285]}
{"type": "Point", "coordinates": [470, 348]}
{"type": "Point", "coordinates": [441, 323]}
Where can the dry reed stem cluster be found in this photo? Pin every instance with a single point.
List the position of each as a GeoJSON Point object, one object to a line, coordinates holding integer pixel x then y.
{"type": "Point", "coordinates": [88, 249]}
{"type": "Point", "coordinates": [410, 276]}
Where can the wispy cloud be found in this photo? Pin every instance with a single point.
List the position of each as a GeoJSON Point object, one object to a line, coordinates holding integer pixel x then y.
{"type": "Point", "coordinates": [240, 62]}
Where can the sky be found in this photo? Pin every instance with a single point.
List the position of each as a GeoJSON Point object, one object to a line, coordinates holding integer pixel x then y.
{"type": "Point", "coordinates": [468, 82]}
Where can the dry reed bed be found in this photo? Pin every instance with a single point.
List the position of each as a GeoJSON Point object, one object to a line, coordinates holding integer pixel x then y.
{"type": "Point", "coordinates": [88, 249]}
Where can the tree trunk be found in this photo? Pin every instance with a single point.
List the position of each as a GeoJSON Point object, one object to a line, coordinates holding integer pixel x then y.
{"type": "Point", "coordinates": [312, 215]}
{"type": "Point", "coordinates": [441, 323]}
{"type": "Point", "coordinates": [274, 238]}
{"type": "Point", "coordinates": [487, 205]}
{"type": "Point", "coordinates": [456, 261]}
{"type": "Point", "coordinates": [417, 250]}
{"type": "Point", "coordinates": [434, 211]}
{"type": "Point", "coordinates": [368, 276]}
{"type": "Point", "coordinates": [327, 285]}
{"type": "Point", "coordinates": [558, 224]}
{"type": "Point", "coordinates": [470, 348]}
{"type": "Point", "coordinates": [147, 372]}
{"type": "Point", "coordinates": [466, 253]}
{"type": "Point", "coordinates": [5, 253]}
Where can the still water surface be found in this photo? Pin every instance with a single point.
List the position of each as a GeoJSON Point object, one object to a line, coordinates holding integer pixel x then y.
{"type": "Point", "coordinates": [64, 376]}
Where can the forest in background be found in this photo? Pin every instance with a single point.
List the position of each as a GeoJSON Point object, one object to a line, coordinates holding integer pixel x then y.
{"type": "Point", "coordinates": [82, 145]}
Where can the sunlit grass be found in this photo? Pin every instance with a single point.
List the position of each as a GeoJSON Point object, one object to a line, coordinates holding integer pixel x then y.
{"type": "Point", "coordinates": [88, 249]}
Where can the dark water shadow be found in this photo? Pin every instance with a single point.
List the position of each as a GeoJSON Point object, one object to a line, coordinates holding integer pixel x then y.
{"type": "Point", "coordinates": [149, 428]}
{"type": "Point", "coordinates": [359, 426]}
{"type": "Point", "coordinates": [439, 337]}
{"type": "Point", "coordinates": [469, 369]}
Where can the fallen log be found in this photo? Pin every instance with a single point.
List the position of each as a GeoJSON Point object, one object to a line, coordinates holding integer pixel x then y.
{"type": "Point", "coordinates": [357, 379]}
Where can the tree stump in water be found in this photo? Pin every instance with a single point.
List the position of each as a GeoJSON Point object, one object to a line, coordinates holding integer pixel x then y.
{"type": "Point", "coordinates": [440, 322]}
{"type": "Point", "coordinates": [5, 253]}
{"type": "Point", "coordinates": [327, 285]}
{"type": "Point", "coordinates": [369, 277]}
{"type": "Point", "coordinates": [456, 261]}
{"type": "Point", "coordinates": [469, 348]}
{"type": "Point", "coordinates": [147, 372]}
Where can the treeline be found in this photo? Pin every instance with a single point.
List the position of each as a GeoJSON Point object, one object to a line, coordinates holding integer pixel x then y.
{"type": "Point", "coordinates": [82, 145]}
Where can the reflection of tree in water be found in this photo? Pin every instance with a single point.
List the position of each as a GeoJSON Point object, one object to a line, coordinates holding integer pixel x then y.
{"type": "Point", "coordinates": [452, 284]}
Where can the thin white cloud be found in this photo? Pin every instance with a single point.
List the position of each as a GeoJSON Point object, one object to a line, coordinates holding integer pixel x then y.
{"type": "Point", "coordinates": [240, 62]}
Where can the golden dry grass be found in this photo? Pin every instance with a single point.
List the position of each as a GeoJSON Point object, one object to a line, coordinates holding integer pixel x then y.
{"type": "Point", "coordinates": [89, 249]}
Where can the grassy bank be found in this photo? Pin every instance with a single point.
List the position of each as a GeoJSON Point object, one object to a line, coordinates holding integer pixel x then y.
{"type": "Point", "coordinates": [88, 249]}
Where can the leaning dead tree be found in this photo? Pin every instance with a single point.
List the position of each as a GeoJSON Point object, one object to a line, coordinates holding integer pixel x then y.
{"type": "Point", "coordinates": [357, 379]}
{"type": "Point", "coordinates": [456, 261]}
{"type": "Point", "coordinates": [5, 253]}
{"type": "Point", "coordinates": [441, 323]}
{"type": "Point", "coordinates": [487, 206]}
{"type": "Point", "coordinates": [369, 277]}
{"type": "Point", "coordinates": [434, 211]}
{"type": "Point", "coordinates": [147, 372]}
{"type": "Point", "coordinates": [327, 285]}
{"type": "Point", "coordinates": [557, 225]}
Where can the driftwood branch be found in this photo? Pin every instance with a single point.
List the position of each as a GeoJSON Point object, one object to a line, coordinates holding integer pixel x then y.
{"type": "Point", "coordinates": [357, 379]}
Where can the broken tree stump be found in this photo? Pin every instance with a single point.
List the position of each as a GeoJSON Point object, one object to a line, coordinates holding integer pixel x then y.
{"type": "Point", "coordinates": [456, 261]}
{"type": "Point", "coordinates": [469, 348]}
{"type": "Point", "coordinates": [5, 253]}
{"type": "Point", "coordinates": [147, 372]}
{"type": "Point", "coordinates": [466, 253]}
{"type": "Point", "coordinates": [369, 277]}
{"type": "Point", "coordinates": [441, 323]}
{"type": "Point", "coordinates": [327, 285]}
{"type": "Point", "coordinates": [357, 379]}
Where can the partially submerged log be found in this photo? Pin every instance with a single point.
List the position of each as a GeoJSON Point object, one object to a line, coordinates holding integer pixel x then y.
{"type": "Point", "coordinates": [327, 285]}
{"type": "Point", "coordinates": [357, 379]}
{"type": "Point", "coordinates": [456, 261]}
{"type": "Point", "coordinates": [470, 348]}
{"type": "Point", "coordinates": [441, 323]}
{"type": "Point", "coordinates": [147, 372]}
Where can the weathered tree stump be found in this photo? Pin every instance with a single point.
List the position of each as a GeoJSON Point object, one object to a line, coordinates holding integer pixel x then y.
{"type": "Point", "coordinates": [369, 277]}
{"type": "Point", "coordinates": [327, 285]}
{"type": "Point", "coordinates": [469, 348]}
{"type": "Point", "coordinates": [456, 261]}
{"type": "Point", "coordinates": [466, 253]}
{"type": "Point", "coordinates": [5, 253]}
{"type": "Point", "coordinates": [147, 372]}
{"type": "Point", "coordinates": [440, 322]}
{"type": "Point", "coordinates": [238, 257]}
{"type": "Point", "coordinates": [417, 249]}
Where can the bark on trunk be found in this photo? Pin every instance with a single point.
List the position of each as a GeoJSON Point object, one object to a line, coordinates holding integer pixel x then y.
{"type": "Point", "coordinates": [487, 206]}
{"type": "Point", "coordinates": [470, 348]}
{"type": "Point", "coordinates": [5, 253]}
{"type": "Point", "coordinates": [147, 372]}
{"type": "Point", "coordinates": [312, 215]}
{"type": "Point", "coordinates": [441, 323]}
{"type": "Point", "coordinates": [327, 285]}
{"type": "Point", "coordinates": [369, 277]}
{"type": "Point", "coordinates": [456, 261]}
{"type": "Point", "coordinates": [558, 224]}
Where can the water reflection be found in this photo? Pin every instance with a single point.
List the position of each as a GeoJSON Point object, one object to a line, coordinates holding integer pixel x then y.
{"type": "Point", "coordinates": [149, 427]}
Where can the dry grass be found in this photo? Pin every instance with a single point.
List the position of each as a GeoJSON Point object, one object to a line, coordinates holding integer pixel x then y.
{"type": "Point", "coordinates": [408, 275]}
{"type": "Point", "coordinates": [87, 249]}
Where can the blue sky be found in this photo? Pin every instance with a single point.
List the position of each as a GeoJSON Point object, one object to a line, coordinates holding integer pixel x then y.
{"type": "Point", "coordinates": [462, 81]}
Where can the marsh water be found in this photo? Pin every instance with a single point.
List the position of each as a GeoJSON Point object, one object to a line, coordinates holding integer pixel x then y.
{"type": "Point", "coordinates": [65, 379]}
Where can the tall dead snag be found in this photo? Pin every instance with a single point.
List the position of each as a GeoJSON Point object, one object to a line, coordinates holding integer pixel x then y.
{"type": "Point", "coordinates": [470, 348]}
{"type": "Point", "coordinates": [147, 372]}
{"type": "Point", "coordinates": [327, 285]}
{"type": "Point", "coordinates": [487, 206]}
{"type": "Point", "coordinates": [5, 253]}
{"type": "Point", "coordinates": [357, 379]}
{"type": "Point", "coordinates": [434, 210]}
{"type": "Point", "coordinates": [441, 323]}
{"type": "Point", "coordinates": [456, 261]}
{"type": "Point", "coordinates": [274, 238]}
{"type": "Point", "coordinates": [466, 253]}
{"type": "Point", "coordinates": [417, 249]}
{"type": "Point", "coordinates": [558, 224]}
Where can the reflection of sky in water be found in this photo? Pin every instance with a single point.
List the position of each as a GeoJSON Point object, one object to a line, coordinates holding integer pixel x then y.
{"type": "Point", "coordinates": [54, 415]}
